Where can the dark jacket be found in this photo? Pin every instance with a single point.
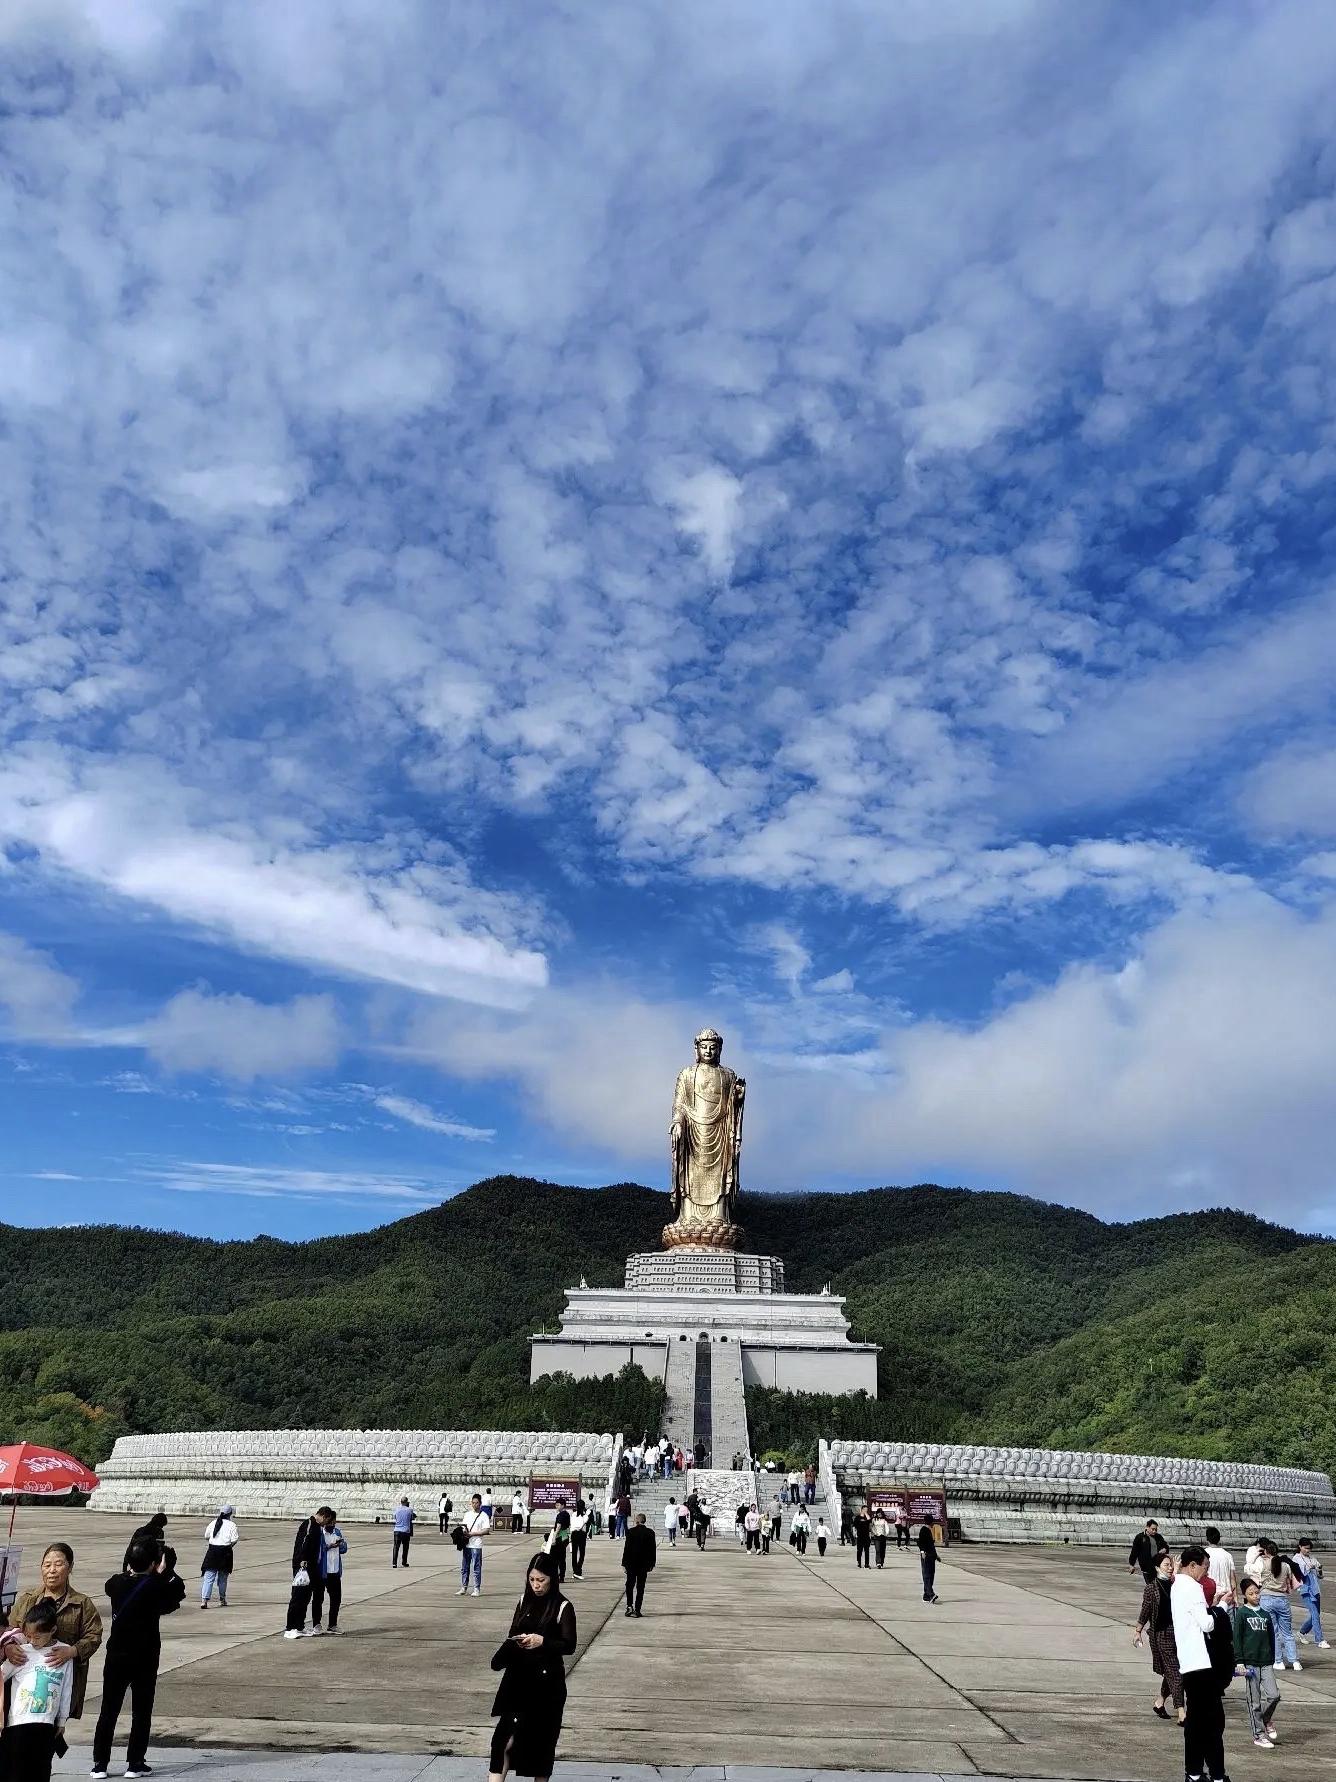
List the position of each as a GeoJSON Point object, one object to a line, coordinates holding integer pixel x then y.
{"type": "Point", "coordinates": [640, 1550]}
{"type": "Point", "coordinates": [152, 1534]}
{"type": "Point", "coordinates": [1145, 1548]}
{"type": "Point", "coordinates": [862, 1528]}
{"type": "Point", "coordinates": [926, 1544]}
{"type": "Point", "coordinates": [308, 1546]}
{"type": "Point", "coordinates": [139, 1600]}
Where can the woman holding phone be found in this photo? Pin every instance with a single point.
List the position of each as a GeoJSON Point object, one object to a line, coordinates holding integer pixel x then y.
{"type": "Point", "coordinates": [532, 1695]}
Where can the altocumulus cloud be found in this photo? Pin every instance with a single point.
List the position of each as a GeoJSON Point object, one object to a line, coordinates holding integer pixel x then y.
{"type": "Point", "coordinates": [864, 458]}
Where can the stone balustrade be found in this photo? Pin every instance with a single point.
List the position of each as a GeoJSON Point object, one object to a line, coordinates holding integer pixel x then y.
{"type": "Point", "coordinates": [1030, 1494]}
{"type": "Point", "coordinates": [363, 1473]}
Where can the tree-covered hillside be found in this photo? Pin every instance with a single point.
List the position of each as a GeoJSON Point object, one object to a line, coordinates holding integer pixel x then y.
{"type": "Point", "coordinates": [1001, 1318]}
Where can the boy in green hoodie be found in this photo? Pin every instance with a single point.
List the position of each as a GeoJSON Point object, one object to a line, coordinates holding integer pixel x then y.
{"type": "Point", "coordinates": [1255, 1643]}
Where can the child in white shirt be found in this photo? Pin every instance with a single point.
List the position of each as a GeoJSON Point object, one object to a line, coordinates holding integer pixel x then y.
{"type": "Point", "coordinates": [39, 1698]}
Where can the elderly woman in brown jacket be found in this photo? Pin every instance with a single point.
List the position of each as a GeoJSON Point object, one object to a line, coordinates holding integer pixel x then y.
{"type": "Point", "coordinates": [78, 1624]}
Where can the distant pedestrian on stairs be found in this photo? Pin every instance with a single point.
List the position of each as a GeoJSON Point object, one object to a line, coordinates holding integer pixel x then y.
{"type": "Point", "coordinates": [638, 1556]}
{"type": "Point", "coordinates": [927, 1547]}
{"type": "Point", "coordinates": [671, 1521]}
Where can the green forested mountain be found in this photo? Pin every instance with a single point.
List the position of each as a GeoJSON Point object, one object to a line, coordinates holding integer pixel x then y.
{"type": "Point", "coordinates": [1001, 1318]}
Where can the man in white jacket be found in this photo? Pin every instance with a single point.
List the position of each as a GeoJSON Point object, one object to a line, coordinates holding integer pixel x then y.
{"type": "Point", "coordinates": [1204, 1725]}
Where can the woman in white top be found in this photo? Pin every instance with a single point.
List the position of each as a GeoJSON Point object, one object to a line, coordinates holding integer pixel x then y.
{"type": "Point", "coordinates": [220, 1537]}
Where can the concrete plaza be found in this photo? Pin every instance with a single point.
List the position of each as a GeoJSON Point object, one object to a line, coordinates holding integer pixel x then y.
{"type": "Point", "coordinates": [742, 1665]}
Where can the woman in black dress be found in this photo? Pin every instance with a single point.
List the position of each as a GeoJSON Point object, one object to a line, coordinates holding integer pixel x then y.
{"type": "Point", "coordinates": [532, 1695]}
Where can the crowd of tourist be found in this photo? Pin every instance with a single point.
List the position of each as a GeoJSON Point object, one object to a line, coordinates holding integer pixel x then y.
{"type": "Point", "coordinates": [1206, 1623]}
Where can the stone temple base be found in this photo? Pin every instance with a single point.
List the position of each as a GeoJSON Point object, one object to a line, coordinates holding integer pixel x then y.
{"type": "Point", "coordinates": [798, 1342]}
{"type": "Point", "coordinates": [703, 1271]}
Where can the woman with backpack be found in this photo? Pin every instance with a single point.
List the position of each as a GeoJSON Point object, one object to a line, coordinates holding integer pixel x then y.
{"type": "Point", "coordinates": [1156, 1620]}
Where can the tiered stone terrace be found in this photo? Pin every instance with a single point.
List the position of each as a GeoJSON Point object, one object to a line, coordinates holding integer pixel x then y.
{"type": "Point", "coordinates": [283, 1472]}
{"type": "Point", "coordinates": [1037, 1494]}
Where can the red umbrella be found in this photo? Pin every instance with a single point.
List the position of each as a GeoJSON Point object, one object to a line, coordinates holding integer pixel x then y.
{"type": "Point", "coordinates": [41, 1472]}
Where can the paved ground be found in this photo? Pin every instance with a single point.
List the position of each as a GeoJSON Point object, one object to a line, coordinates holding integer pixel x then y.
{"type": "Point", "coordinates": [1024, 1670]}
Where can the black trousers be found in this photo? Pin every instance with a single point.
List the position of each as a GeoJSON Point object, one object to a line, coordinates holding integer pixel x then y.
{"type": "Point", "coordinates": [928, 1561]}
{"type": "Point", "coordinates": [901, 1534]}
{"type": "Point", "coordinates": [298, 1603]}
{"type": "Point", "coordinates": [26, 1753]}
{"type": "Point", "coordinates": [1204, 1728]}
{"type": "Point", "coordinates": [753, 1540]}
{"type": "Point", "coordinates": [578, 1544]}
{"type": "Point", "coordinates": [881, 1550]}
{"type": "Point", "coordinates": [400, 1546]}
{"type": "Point", "coordinates": [140, 1677]}
{"type": "Point", "coordinates": [559, 1559]}
{"type": "Point", "coordinates": [862, 1554]}
{"type": "Point", "coordinates": [635, 1590]}
{"type": "Point", "coordinates": [321, 1588]}
{"type": "Point", "coordinates": [441, 1520]}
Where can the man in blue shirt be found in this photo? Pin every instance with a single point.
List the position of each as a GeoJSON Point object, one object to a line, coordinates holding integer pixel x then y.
{"type": "Point", "coordinates": [403, 1532]}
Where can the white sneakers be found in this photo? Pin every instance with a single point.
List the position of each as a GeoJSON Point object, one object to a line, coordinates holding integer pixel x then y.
{"type": "Point", "coordinates": [463, 1590]}
{"type": "Point", "coordinates": [1296, 1666]}
{"type": "Point", "coordinates": [475, 1591]}
{"type": "Point", "coordinates": [292, 1633]}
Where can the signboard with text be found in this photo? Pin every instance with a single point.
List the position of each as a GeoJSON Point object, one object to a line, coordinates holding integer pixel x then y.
{"type": "Point", "coordinates": [920, 1504]}
{"type": "Point", "coordinates": [553, 1494]}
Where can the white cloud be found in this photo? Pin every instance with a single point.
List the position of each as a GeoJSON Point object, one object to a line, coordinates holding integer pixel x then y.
{"type": "Point", "coordinates": [270, 1182]}
{"type": "Point", "coordinates": [708, 503]}
{"type": "Point", "coordinates": [401, 1107]}
{"type": "Point", "coordinates": [1292, 793]}
{"type": "Point", "coordinates": [807, 452]}
{"type": "Point", "coordinates": [37, 996]}
{"type": "Point", "coordinates": [352, 910]}
{"type": "Point", "coordinates": [1199, 1066]}
{"type": "Point", "coordinates": [241, 1038]}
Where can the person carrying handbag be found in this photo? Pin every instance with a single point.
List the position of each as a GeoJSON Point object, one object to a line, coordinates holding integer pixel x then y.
{"type": "Point", "coordinates": [307, 1549]}
{"type": "Point", "coordinates": [476, 1525]}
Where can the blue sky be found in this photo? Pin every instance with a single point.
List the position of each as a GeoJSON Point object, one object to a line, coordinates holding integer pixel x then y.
{"type": "Point", "coordinates": [528, 531]}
